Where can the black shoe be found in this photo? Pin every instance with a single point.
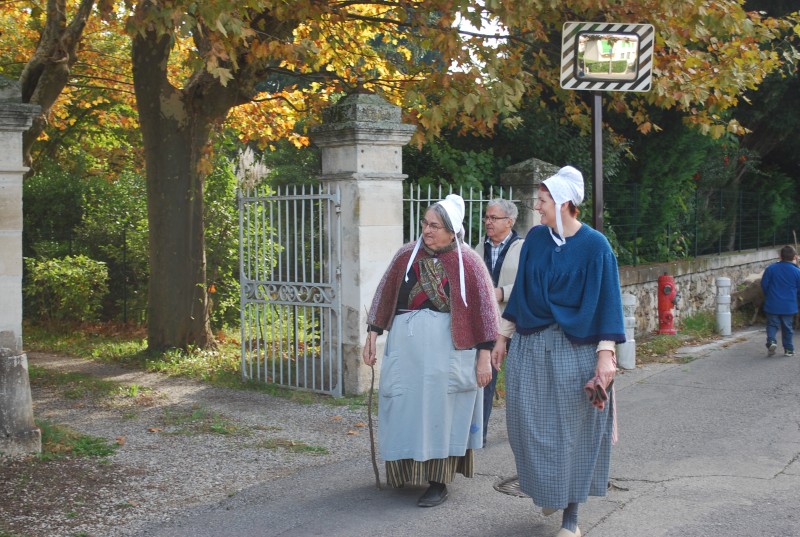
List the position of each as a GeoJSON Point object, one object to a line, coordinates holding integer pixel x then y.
{"type": "Point", "coordinates": [436, 494]}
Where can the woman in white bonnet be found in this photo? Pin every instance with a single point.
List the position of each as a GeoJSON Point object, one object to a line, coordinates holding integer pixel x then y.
{"type": "Point", "coordinates": [565, 313]}
{"type": "Point", "coordinates": [437, 301]}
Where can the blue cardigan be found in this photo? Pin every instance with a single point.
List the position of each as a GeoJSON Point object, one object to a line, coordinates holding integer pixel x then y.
{"type": "Point", "coordinates": [575, 286]}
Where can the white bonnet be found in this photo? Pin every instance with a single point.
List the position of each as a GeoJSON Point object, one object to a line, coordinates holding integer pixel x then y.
{"type": "Point", "coordinates": [564, 186]}
{"type": "Point", "coordinates": [453, 205]}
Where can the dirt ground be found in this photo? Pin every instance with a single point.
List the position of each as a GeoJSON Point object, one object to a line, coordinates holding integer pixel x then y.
{"type": "Point", "coordinates": [178, 443]}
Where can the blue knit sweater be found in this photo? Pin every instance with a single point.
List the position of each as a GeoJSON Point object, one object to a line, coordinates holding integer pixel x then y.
{"type": "Point", "coordinates": [575, 286]}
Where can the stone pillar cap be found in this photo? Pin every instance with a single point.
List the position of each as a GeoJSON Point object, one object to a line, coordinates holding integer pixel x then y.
{"type": "Point", "coordinates": [10, 90]}
{"type": "Point", "coordinates": [529, 172]}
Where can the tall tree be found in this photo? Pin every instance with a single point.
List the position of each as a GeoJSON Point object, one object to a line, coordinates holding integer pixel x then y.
{"type": "Point", "coordinates": [47, 72]}
{"type": "Point", "coordinates": [298, 52]}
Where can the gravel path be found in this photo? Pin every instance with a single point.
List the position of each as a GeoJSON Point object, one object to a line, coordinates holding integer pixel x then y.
{"type": "Point", "coordinates": [181, 444]}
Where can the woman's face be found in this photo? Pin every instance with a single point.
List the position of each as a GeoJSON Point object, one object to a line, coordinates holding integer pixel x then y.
{"type": "Point", "coordinates": [546, 208]}
{"type": "Point", "coordinates": [434, 234]}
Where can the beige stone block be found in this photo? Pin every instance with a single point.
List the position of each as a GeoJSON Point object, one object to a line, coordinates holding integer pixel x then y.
{"type": "Point", "coordinates": [363, 158]}
{"type": "Point", "coordinates": [378, 158]}
{"type": "Point", "coordinates": [11, 304]}
{"type": "Point", "coordinates": [377, 246]}
{"type": "Point", "coordinates": [381, 203]}
{"type": "Point", "coordinates": [10, 253]}
{"type": "Point", "coordinates": [10, 203]}
{"type": "Point", "coordinates": [340, 159]}
{"type": "Point", "coordinates": [10, 150]}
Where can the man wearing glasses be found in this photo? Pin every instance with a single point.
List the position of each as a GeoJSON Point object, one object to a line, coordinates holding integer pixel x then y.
{"type": "Point", "coordinates": [500, 250]}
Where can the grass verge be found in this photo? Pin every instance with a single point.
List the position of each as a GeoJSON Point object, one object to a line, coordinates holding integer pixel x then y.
{"type": "Point", "coordinates": [693, 330]}
{"type": "Point", "coordinates": [127, 345]}
{"type": "Point", "coordinates": [60, 441]}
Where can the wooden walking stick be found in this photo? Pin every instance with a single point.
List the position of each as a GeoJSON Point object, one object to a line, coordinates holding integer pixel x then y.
{"type": "Point", "coordinates": [369, 420]}
{"type": "Point", "coordinates": [371, 433]}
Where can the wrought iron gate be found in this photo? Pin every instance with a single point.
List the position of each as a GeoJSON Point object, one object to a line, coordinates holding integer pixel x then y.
{"type": "Point", "coordinates": [290, 275]}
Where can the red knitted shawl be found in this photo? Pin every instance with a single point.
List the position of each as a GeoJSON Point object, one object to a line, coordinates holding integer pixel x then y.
{"type": "Point", "coordinates": [470, 325]}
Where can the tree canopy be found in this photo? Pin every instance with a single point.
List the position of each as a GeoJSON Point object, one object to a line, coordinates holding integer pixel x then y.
{"type": "Point", "coordinates": [266, 68]}
{"type": "Point", "coordinates": [286, 59]}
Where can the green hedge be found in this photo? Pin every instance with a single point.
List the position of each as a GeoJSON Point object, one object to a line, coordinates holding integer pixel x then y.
{"type": "Point", "coordinates": [70, 288]}
{"type": "Point", "coordinates": [618, 66]}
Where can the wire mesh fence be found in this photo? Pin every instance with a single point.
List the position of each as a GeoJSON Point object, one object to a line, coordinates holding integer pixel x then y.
{"type": "Point", "coordinates": [642, 227]}
{"type": "Point", "coordinates": [646, 230]}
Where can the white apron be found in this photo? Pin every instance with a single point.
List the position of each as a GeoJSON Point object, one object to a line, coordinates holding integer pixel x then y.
{"type": "Point", "coordinates": [430, 406]}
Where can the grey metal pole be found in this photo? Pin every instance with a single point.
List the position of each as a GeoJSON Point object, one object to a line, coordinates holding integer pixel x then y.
{"type": "Point", "coordinates": [597, 160]}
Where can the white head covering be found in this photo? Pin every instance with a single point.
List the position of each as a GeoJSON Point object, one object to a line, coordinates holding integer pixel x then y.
{"type": "Point", "coordinates": [453, 205]}
{"type": "Point", "coordinates": [564, 186]}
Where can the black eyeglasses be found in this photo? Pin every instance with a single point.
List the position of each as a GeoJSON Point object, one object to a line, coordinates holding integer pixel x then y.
{"type": "Point", "coordinates": [494, 218]}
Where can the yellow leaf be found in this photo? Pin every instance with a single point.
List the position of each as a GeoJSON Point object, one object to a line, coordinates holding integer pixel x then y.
{"type": "Point", "coordinates": [221, 28]}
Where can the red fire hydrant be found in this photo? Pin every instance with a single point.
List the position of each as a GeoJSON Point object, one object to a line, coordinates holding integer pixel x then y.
{"type": "Point", "coordinates": [667, 298]}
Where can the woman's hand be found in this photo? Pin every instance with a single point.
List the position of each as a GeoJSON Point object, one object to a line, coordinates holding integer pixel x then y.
{"type": "Point", "coordinates": [606, 366]}
{"type": "Point", "coordinates": [499, 351]}
{"type": "Point", "coordinates": [484, 368]}
{"type": "Point", "coordinates": [369, 352]}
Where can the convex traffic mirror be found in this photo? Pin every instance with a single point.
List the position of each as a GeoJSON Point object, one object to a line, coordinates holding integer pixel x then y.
{"type": "Point", "coordinates": [607, 56]}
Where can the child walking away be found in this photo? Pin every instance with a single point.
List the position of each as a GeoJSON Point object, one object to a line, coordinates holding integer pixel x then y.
{"type": "Point", "coordinates": [781, 285]}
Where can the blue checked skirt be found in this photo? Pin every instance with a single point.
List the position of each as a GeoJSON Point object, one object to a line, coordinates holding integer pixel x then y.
{"type": "Point", "coordinates": [561, 443]}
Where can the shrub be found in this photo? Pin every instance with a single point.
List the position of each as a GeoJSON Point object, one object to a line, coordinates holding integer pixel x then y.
{"type": "Point", "coordinates": [65, 289]}
{"type": "Point", "coordinates": [114, 230]}
{"type": "Point", "coordinates": [53, 200]}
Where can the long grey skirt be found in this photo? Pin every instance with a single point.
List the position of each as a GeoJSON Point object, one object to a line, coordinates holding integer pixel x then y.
{"type": "Point", "coordinates": [561, 443]}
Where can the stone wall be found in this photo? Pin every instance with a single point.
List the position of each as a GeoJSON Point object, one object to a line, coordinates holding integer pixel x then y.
{"type": "Point", "coordinates": [695, 280]}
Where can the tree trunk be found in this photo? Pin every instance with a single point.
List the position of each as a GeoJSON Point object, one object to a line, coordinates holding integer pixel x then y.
{"type": "Point", "coordinates": [177, 301]}
{"type": "Point", "coordinates": [174, 131]}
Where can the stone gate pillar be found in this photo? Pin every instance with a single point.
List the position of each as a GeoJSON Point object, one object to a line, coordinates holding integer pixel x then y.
{"type": "Point", "coordinates": [18, 433]}
{"type": "Point", "coordinates": [361, 140]}
{"type": "Point", "coordinates": [525, 177]}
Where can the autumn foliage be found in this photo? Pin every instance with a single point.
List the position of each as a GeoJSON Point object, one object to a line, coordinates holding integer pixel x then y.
{"type": "Point", "coordinates": [420, 55]}
{"type": "Point", "coordinates": [153, 80]}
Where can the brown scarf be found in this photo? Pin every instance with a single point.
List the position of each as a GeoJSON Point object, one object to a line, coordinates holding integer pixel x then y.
{"type": "Point", "coordinates": [431, 280]}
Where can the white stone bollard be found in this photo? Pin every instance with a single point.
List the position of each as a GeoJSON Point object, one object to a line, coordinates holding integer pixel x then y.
{"type": "Point", "coordinates": [626, 352]}
{"type": "Point", "coordinates": [724, 306]}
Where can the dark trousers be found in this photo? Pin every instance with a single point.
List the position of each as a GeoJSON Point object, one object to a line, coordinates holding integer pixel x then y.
{"type": "Point", "coordinates": [488, 400]}
{"type": "Point", "coordinates": [774, 323]}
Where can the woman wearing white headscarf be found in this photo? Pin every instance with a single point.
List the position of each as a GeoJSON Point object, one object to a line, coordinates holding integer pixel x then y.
{"type": "Point", "coordinates": [565, 313]}
{"type": "Point", "coordinates": [437, 301]}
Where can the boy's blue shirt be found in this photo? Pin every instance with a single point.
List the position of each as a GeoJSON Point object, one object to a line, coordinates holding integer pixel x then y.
{"type": "Point", "coordinates": [781, 285]}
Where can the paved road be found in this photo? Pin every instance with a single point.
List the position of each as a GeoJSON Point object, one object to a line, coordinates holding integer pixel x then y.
{"type": "Point", "coordinates": [707, 448]}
